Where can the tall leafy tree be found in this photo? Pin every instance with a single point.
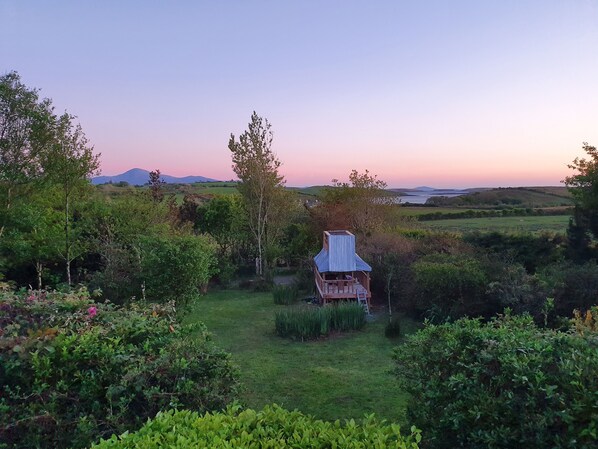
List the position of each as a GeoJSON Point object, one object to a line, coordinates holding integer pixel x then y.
{"type": "Point", "coordinates": [156, 186]}
{"type": "Point", "coordinates": [25, 133]}
{"type": "Point", "coordinates": [69, 165]}
{"type": "Point", "coordinates": [583, 185]}
{"type": "Point", "coordinates": [33, 234]}
{"type": "Point", "coordinates": [360, 205]}
{"type": "Point", "coordinates": [261, 186]}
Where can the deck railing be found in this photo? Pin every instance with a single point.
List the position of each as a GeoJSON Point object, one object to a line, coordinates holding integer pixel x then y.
{"type": "Point", "coordinates": [342, 286]}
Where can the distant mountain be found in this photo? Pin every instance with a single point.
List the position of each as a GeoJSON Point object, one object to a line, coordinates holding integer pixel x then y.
{"type": "Point", "coordinates": [138, 176]}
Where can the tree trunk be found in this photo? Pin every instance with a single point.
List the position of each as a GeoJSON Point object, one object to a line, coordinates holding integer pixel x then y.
{"type": "Point", "coordinates": [66, 239]}
{"type": "Point", "coordinates": [39, 268]}
{"type": "Point", "coordinates": [8, 195]}
{"type": "Point", "coordinates": [388, 281]}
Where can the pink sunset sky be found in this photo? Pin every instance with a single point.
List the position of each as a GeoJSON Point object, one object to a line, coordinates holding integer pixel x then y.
{"type": "Point", "coordinates": [446, 94]}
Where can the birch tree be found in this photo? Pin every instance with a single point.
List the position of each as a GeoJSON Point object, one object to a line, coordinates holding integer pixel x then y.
{"type": "Point", "coordinates": [69, 165]}
{"type": "Point", "coordinates": [261, 186]}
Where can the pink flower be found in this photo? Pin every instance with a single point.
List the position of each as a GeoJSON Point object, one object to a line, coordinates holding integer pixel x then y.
{"type": "Point", "coordinates": [92, 311]}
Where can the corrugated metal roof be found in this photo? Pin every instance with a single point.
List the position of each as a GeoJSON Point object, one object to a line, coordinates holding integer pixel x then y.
{"type": "Point", "coordinates": [340, 255]}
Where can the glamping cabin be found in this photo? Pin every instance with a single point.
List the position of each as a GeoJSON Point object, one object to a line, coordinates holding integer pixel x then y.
{"type": "Point", "coordinates": [339, 272]}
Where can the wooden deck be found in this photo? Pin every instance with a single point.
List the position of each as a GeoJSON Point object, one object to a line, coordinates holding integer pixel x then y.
{"type": "Point", "coordinates": [338, 289]}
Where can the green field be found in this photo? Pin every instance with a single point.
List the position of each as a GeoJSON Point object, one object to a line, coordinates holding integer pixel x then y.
{"type": "Point", "coordinates": [553, 223]}
{"type": "Point", "coordinates": [344, 376]}
{"type": "Point", "coordinates": [407, 211]}
{"type": "Point", "coordinates": [533, 197]}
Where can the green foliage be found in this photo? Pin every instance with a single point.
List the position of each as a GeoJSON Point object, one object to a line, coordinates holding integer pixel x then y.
{"type": "Point", "coordinates": [583, 185]}
{"type": "Point", "coordinates": [72, 371]}
{"type": "Point", "coordinates": [308, 322]}
{"type": "Point", "coordinates": [572, 286]}
{"type": "Point", "coordinates": [517, 290]}
{"type": "Point", "coordinates": [285, 294]}
{"type": "Point", "coordinates": [25, 134]}
{"type": "Point", "coordinates": [449, 287]}
{"type": "Point", "coordinates": [362, 205]}
{"type": "Point", "coordinates": [261, 186]}
{"type": "Point", "coordinates": [176, 268]}
{"type": "Point", "coordinates": [507, 197]}
{"type": "Point", "coordinates": [504, 384]}
{"type": "Point", "coordinates": [115, 230]}
{"type": "Point", "coordinates": [532, 251]}
{"type": "Point", "coordinates": [272, 427]}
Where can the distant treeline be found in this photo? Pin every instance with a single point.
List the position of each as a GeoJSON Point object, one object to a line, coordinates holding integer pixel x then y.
{"type": "Point", "coordinates": [517, 212]}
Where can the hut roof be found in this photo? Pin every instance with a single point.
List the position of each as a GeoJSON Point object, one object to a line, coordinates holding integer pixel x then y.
{"type": "Point", "coordinates": [338, 254]}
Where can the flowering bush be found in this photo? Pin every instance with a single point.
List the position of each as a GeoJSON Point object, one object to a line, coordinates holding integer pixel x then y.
{"type": "Point", "coordinates": [72, 371]}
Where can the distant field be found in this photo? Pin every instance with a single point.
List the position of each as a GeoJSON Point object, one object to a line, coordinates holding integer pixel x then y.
{"type": "Point", "coordinates": [179, 190]}
{"type": "Point", "coordinates": [407, 211]}
{"type": "Point", "coordinates": [555, 223]}
{"type": "Point", "coordinates": [511, 196]}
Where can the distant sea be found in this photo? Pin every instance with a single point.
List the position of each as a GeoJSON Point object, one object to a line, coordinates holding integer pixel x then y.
{"type": "Point", "coordinates": [421, 196]}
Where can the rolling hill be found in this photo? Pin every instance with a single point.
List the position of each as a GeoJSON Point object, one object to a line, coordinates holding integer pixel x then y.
{"type": "Point", "coordinates": [139, 176]}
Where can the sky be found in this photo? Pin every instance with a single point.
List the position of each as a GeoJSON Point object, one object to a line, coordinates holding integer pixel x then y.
{"type": "Point", "coordinates": [439, 93]}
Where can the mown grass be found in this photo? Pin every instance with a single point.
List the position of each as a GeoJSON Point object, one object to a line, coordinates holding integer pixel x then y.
{"type": "Point", "coordinates": [343, 376]}
{"type": "Point", "coordinates": [553, 223]}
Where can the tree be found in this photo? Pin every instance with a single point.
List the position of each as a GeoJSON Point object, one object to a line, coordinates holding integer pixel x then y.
{"type": "Point", "coordinates": [33, 234]}
{"type": "Point", "coordinates": [69, 164]}
{"type": "Point", "coordinates": [390, 256]}
{"type": "Point", "coordinates": [583, 185]}
{"type": "Point", "coordinates": [261, 186]}
{"type": "Point", "coordinates": [156, 185]}
{"type": "Point", "coordinates": [25, 133]}
{"type": "Point", "coordinates": [361, 205]}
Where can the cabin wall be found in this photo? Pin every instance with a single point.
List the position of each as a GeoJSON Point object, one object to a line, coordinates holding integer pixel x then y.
{"type": "Point", "coordinates": [341, 250]}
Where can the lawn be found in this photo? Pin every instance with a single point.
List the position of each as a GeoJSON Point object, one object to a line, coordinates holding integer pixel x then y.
{"type": "Point", "coordinates": [553, 223]}
{"type": "Point", "coordinates": [345, 376]}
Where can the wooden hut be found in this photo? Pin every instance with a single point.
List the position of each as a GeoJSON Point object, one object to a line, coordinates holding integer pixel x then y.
{"type": "Point", "coordinates": [340, 274]}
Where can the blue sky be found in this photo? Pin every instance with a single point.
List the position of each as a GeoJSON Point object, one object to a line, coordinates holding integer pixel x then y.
{"type": "Point", "coordinates": [450, 94]}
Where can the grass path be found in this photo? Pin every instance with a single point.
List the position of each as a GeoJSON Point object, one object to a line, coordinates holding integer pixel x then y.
{"type": "Point", "coordinates": [345, 376]}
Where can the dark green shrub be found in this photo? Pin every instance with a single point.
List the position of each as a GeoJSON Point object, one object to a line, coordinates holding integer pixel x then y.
{"type": "Point", "coordinates": [285, 294]}
{"type": "Point", "coordinates": [504, 384]}
{"type": "Point", "coordinates": [176, 268]}
{"type": "Point", "coordinates": [449, 287]}
{"type": "Point", "coordinates": [272, 427]}
{"type": "Point", "coordinates": [517, 290]}
{"type": "Point", "coordinates": [573, 286]}
{"type": "Point", "coordinates": [72, 371]}
{"type": "Point", "coordinates": [530, 250]}
{"type": "Point", "coordinates": [393, 329]}
{"type": "Point", "coordinates": [308, 322]}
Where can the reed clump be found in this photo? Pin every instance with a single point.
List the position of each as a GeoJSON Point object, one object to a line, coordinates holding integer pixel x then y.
{"type": "Point", "coordinates": [309, 322]}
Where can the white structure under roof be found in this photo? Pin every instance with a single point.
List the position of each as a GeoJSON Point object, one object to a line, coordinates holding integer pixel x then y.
{"type": "Point", "coordinates": [339, 272]}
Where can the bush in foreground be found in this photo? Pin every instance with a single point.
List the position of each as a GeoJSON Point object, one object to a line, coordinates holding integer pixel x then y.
{"type": "Point", "coordinates": [503, 384]}
{"type": "Point", "coordinates": [72, 371]}
{"type": "Point", "coordinates": [308, 322]}
{"type": "Point", "coordinates": [272, 427]}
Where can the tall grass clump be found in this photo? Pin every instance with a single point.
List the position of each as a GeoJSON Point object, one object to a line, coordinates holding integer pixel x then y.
{"type": "Point", "coordinates": [308, 323]}
{"type": "Point", "coordinates": [346, 316]}
{"type": "Point", "coordinates": [285, 294]}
